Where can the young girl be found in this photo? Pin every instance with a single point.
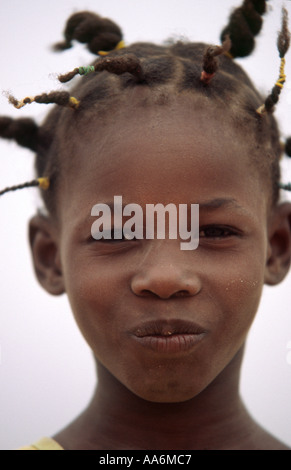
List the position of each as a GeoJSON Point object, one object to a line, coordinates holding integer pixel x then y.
{"type": "Point", "coordinates": [167, 327]}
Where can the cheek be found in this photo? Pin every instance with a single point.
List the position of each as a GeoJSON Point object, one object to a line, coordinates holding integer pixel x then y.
{"type": "Point", "coordinates": [93, 293]}
{"type": "Point", "coordinates": [242, 286]}
{"type": "Point", "coordinates": [236, 292]}
{"type": "Point", "coordinates": [242, 297]}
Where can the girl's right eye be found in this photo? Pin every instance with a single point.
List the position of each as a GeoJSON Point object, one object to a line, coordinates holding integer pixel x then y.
{"type": "Point", "coordinates": [108, 237]}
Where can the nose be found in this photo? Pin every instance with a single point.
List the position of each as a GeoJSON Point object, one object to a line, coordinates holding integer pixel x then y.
{"type": "Point", "coordinates": [165, 277]}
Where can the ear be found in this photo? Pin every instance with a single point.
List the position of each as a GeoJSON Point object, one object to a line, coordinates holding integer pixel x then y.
{"type": "Point", "coordinates": [45, 255]}
{"type": "Point", "coordinates": [279, 252]}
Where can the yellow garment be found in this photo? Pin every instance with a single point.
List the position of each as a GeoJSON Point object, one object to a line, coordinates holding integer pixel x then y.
{"type": "Point", "coordinates": [45, 443]}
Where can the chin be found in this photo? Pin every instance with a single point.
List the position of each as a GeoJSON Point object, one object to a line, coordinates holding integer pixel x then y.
{"type": "Point", "coordinates": [173, 393]}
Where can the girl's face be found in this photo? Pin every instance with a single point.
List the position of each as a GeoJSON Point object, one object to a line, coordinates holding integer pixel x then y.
{"type": "Point", "coordinates": [163, 321]}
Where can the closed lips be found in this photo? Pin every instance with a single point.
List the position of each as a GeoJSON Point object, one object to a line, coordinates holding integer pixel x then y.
{"type": "Point", "coordinates": [169, 336]}
{"type": "Point", "coordinates": [167, 328]}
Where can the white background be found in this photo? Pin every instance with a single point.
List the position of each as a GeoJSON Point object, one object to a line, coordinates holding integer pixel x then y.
{"type": "Point", "coordinates": [46, 370]}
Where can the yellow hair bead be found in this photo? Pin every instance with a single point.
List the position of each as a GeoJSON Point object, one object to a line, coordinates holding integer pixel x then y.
{"type": "Point", "coordinates": [261, 110]}
{"type": "Point", "coordinates": [228, 54]}
{"type": "Point", "coordinates": [280, 83]}
{"type": "Point", "coordinates": [282, 77]}
{"type": "Point", "coordinates": [120, 45]}
{"type": "Point", "coordinates": [43, 183]}
{"type": "Point", "coordinates": [74, 103]}
{"type": "Point", "coordinates": [103, 53]}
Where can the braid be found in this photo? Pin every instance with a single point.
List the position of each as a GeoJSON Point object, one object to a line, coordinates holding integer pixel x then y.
{"type": "Point", "coordinates": [210, 64]}
{"type": "Point", "coordinates": [117, 65]}
{"type": "Point", "coordinates": [99, 33]}
{"type": "Point", "coordinates": [283, 44]}
{"type": "Point", "coordinates": [62, 98]}
{"type": "Point", "coordinates": [244, 23]}
{"type": "Point", "coordinates": [24, 131]}
{"type": "Point", "coordinates": [43, 183]}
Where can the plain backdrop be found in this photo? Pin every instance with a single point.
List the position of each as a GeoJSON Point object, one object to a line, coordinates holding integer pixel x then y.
{"type": "Point", "coordinates": [46, 371]}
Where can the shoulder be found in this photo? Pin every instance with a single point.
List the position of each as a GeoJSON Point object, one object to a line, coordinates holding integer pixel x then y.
{"type": "Point", "coordinates": [265, 441]}
{"type": "Point", "coordinates": [45, 443]}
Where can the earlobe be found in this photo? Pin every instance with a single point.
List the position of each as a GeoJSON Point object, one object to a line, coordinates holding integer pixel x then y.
{"type": "Point", "coordinates": [279, 247]}
{"type": "Point", "coordinates": [45, 255]}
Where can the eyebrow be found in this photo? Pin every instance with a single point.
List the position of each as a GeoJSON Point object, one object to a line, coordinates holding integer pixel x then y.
{"type": "Point", "coordinates": [223, 203]}
{"type": "Point", "coordinates": [218, 203]}
{"type": "Point", "coordinates": [212, 204]}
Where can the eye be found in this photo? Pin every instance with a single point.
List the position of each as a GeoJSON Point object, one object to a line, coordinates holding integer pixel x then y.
{"type": "Point", "coordinates": [217, 232]}
{"type": "Point", "coordinates": [108, 237]}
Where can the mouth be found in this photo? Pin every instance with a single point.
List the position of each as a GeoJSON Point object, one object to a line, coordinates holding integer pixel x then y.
{"type": "Point", "coordinates": [169, 336]}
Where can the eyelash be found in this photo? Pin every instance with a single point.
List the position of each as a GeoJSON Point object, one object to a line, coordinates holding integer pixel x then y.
{"type": "Point", "coordinates": [224, 232]}
{"type": "Point", "coordinates": [227, 231]}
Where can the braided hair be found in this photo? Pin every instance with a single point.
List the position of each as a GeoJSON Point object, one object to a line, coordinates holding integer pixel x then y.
{"type": "Point", "coordinates": [194, 68]}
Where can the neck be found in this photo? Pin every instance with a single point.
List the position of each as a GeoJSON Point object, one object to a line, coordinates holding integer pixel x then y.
{"type": "Point", "coordinates": [118, 419]}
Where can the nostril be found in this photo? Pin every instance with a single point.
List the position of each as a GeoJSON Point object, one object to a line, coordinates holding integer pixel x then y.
{"type": "Point", "coordinates": [149, 293]}
{"type": "Point", "coordinates": [165, 285]}
{"type": "Point", "coordinates": [181, 293]}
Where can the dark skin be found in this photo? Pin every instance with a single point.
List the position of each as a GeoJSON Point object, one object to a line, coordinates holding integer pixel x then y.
{"type": "Point", "coordinates": [149, 399]}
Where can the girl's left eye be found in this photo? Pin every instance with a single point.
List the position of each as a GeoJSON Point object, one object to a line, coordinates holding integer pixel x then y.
{"type": "Point", "coordinates": [214, 231]}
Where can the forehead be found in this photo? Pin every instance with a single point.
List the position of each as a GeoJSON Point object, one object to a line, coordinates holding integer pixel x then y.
{"type": "Point", "coordinates": [160, 153]}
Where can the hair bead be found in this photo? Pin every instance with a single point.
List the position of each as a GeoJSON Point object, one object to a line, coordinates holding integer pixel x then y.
{"type": "Point", "coordinates": [283, 44]}
{"type": "Point", "coordinates": [42, 183]}
{"type": "Point", "coordinates": [120, 45]}
{"type": "Point", "coordinates": [118, 65]}
{"type": "Point", "coordinates": [62, 98]}
{"type": "Point", "coordinates": [86, 70]}
{"type": "Point", "coordinates": [282, 76]}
